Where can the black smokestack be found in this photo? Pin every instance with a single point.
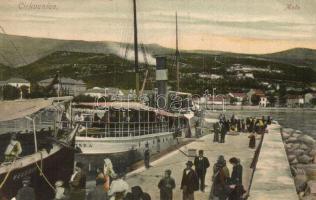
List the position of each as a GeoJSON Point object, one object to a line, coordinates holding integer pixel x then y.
{"type": "Point", "coordinates": [161, 81]}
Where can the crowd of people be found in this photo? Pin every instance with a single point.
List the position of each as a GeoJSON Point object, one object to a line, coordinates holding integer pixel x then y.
{"type": "Point", "coordinates": [250, 125]}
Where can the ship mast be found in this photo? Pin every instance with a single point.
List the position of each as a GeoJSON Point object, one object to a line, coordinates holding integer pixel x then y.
{"type": "Point", "coordinates": [177, 54]}
{"type": "Point", "coordinates": [136, 49]}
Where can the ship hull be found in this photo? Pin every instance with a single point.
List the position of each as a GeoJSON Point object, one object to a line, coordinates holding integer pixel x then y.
{"type": "Point", "coordinates": [57, 166]}
{"type": "Point", "coordinates": [123, 152]}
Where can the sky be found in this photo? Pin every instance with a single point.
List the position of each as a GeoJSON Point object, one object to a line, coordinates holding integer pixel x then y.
{"type": "Point", "coordinates": [244, 26]}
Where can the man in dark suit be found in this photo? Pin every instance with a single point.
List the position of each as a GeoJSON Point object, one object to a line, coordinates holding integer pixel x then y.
{"type": "Point", "coordinates": [189, 182]}
{"type": "Point", "coordinates": [78, 183]}
{"type": "Point", "coordinates": [201, 164]}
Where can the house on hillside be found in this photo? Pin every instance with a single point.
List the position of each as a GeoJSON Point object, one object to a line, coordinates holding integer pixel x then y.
{"type": "Point", "coordinates": [18, 83]}
{"type": "Point", "coordinates": [293, 101]}
{"type": "Point", "coordinates": [308, 97]}
{"type": "Point", "coordinates": [263, 101]}
{"type": "Point", "coordinates": [237, 98]}
{"type": "Point", "coordinates": [67, 86]}
{"type": "Point", "coordinates": [218, 99]}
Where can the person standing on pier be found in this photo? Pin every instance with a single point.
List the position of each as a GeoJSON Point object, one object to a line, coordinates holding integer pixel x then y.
{"type": "Point", "coordinates": [189, 182]}
{"type": "Point", "coordinates": [166, 185]}
{"type": "Point", "coordinates": [252, 140]}
{"type": "Point", "coordinates": [217, 129]}
{"type": "Point", "coordinates": [224, 129]}
{"type": "Point", "coordinates": [26, 192]}
{"type": "Point", "coordinates": [146, 156]}
{"type": "Point", "coordinates": [78, 183]}
{"type": "Point", "coordinates": [220, 180]}
{"type": "Point", "coordinates": [201, 164]}
{"type": "Point", "coordinates": [236, 180]}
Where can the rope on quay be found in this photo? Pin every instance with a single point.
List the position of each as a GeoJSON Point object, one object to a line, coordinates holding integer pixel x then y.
{"type": "Point", "coordinates": [43, 175]}
{"type": "Point", "coordinates": [7, 175]}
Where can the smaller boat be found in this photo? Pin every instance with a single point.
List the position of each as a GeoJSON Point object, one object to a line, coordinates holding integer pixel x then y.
{"type": "Point", "coordinates": [46, 141]}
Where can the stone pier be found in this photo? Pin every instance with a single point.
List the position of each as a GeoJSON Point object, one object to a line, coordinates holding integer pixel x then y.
{"type": "Point", "coordinates": [272, 178]}
{"type": "Point", "coordinates": [235, 146]}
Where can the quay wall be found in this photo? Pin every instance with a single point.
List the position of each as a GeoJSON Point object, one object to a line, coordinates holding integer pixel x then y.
{"type": "Point", "coordinates": [272, 179]}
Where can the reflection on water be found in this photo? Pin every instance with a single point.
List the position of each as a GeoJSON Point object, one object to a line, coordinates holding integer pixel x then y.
{"type": "Point", "coordinates": [301, 120]}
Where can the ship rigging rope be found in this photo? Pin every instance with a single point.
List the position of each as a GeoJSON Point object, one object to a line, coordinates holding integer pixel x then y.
{"type": "Point", "coordinates": [7, 175]}
{"type": "Point", "coordinates": [43, 175]}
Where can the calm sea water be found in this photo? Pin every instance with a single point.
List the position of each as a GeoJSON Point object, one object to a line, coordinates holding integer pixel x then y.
{"type": "Point", "coordinates": [304, 121]}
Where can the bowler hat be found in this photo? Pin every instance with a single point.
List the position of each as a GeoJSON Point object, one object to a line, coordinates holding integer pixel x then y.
{"type": "Point", "coordinates": [190, 163]}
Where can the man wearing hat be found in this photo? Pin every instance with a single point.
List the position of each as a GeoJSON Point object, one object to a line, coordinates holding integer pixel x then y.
{"type": "Point", "coordinates": [201, 164]}
{"type": "Point", "coordinates": [166, 185]}
{"type": "Point", "coordinates": [189, 182]}
{"type": "Point", "coordinates": [147, 156]}
{"type": "Point", "coordinates": [13, 150]}
{"type": "Point", "coordinates": [78, 183]}
{"type": "Point", "coordinates": [220, 179]}
{"type": "Point", "coordinates": [26, 192]}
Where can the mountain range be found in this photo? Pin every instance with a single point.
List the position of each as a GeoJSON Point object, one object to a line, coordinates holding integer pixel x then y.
{"type": "Point", "coordinates": [19, 51]}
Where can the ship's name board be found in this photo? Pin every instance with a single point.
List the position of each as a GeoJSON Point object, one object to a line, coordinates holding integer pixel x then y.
{"type": "Point", "coordinates": [23, 173]}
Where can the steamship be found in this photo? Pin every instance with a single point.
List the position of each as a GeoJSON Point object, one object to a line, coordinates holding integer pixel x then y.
{"type": "Point", "coordinates": [47, 151]}
{"type": "Point", "coordinates": [121, 130]}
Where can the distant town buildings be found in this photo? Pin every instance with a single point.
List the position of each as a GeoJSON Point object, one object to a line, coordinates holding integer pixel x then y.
{"type": "Point", "coordinates": [210, 76]}
{"type": "Point", "coordinates": [19, 83]}
{"type": "Point", "coordinates": [67, 86]}
{"type": "Point", "coordinates": [98, 92]}
{"type": "Point", "coordinates": [238, 97]}
{"type": "Point", "coordinates": [294, 101]}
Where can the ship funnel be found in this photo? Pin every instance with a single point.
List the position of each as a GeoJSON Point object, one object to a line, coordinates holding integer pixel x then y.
{"type": "Point", "coordinates": [161, 81]}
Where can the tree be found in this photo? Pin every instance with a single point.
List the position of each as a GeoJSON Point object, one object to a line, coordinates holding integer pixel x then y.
{"type": "Point", "coordinates": [313, 101]}
{"type": "Point", "coordinates": [244, 101]}
{"type": "Point", "coordinates": [10, 92]}
{"type": "Point", "coordinates": [282, 95]}
{"type": "Point", "coordinates": [271, 99]}
{"type": "Point", "coordinates": [255, 99]}
{"type": "Point", "coordinates": [233, 100]}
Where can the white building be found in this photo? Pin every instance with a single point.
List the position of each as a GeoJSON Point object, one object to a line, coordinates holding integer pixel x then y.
{"type": "Point", "coordinates": [309, 96]}
{"type": "Point", "coordinates": [249, 75]}
{"type": "Point", "coordinates": [98, 92]}
{"type": "Point", "coordinates": [210, 76]}
{"type": "Point", "coordinates": [239, 96]}
{"type": "Point", "coordinates": [263, 101]}
{"type": "Point", "coordinates": [67, 86]}
{"type": "Point", "coordinates": [295, 101]}
{"type": "Point", "coordinates": [18, 83]}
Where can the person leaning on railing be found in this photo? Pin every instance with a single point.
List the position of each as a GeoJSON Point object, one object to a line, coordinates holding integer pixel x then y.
{"type": "Point", "coordinates": [13, 150]}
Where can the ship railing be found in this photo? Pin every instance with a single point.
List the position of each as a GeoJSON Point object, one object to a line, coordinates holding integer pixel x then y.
{"type": "Point", "coordinates": [124, 129]}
